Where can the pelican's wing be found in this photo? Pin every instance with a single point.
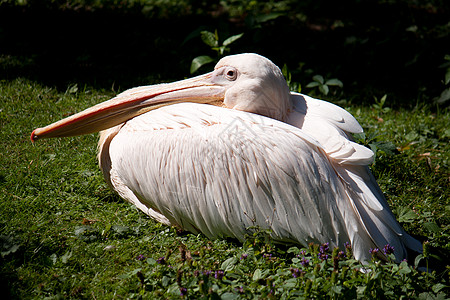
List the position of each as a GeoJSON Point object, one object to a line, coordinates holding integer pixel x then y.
{"type": "Point", "coordinates": [218, 171]}
{"type": "Point", "coordinates": [331, 126]}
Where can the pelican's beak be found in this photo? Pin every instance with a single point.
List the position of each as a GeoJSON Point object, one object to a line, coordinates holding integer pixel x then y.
{"type": "Point", "coordinates": [132, 103]}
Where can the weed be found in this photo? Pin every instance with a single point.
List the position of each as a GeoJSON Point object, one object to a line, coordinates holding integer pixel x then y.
{"type": "Point", "coordinates": [379, 105]}
{"type": "Point", "coordinates": [445, 95]}
{"type": "Point", "coordinates": [293, 86]}
{"type": "Point", "coordinates": [212, 40]}
{"type": "Point", "coordinates": [322, 85]}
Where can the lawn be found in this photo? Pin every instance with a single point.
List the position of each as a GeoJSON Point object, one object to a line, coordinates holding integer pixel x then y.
{"type": "Point", "coordinates": [64, 234]}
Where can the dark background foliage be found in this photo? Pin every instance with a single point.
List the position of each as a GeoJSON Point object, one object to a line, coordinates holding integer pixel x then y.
{"type": "Point", "coordinates": [374, 47]}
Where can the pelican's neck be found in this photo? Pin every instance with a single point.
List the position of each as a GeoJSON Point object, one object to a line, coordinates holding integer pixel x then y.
{"type": "Point", "coordinates": [297, 110]}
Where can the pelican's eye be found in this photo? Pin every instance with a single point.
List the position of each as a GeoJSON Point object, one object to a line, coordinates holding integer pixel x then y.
{"type": "Point", "coordinates": [231, 74]}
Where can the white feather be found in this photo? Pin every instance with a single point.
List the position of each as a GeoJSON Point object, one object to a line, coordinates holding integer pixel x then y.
{"type": "Point", "coordinates": [221, 171]}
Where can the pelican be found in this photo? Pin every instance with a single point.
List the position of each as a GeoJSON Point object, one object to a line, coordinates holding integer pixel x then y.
{"type": "Point", "coordinates": [232, 149]}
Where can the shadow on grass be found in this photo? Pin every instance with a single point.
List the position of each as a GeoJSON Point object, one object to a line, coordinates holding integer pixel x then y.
{"type": "Point", "coordinates": [374, 48]}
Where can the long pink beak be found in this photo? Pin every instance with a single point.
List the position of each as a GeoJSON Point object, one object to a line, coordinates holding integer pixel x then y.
{"type": "Point", "coordinates": [132, 103]}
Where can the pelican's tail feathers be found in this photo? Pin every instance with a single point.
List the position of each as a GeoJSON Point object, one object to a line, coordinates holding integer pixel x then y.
{"type": "Point", "coordinates": [376, 218]}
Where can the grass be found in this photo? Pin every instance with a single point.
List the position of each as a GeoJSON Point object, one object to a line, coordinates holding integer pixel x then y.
{"type": "Point", "coordinates": [64, 234]}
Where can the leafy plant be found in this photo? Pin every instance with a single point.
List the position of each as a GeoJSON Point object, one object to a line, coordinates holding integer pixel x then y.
{"type": "Point", "coordinates": [8, 244]}
{"type": "Point", "coordinates": [379, 105]}
{"type": "Point", "coordinates": [212, 40]}
{"type": "Point", "coordinates": [255, 13]}
{"type": "Point", "coordinates": [372, 141]}
{"type": "Point", "coordinates": [259, 269]}
{"type": "Point", "coordinates": [293, 86]}
{"type": "Point", "coordinates": [445, 95]}
{"type": "Point", "coordinates": [324, 86]}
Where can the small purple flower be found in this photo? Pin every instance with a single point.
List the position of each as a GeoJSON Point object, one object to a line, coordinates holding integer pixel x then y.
{"type": "Point", "coordinates": [341, 254]}
{"type": "Point", "coordinates": [323, 256]}
{"type": "Point", "coordinates": [374, 251]}
{"type": "Point", "coordinates": [140, 257]}
{"type": "Point", "coordinates": [267, 255]}
{"type": "Point", "coordinates": [304, 262]}
{"type": "Point", "coordinates": [161, 260]}
{"type": "Point", "coordinates": [244, 256]}
{"type": "Point", "coordinates": [303, 252]}
{"type": "Point", "coordinates": [240, 290]}
{"type": "Point", "coordinates": [296, 272]}
{"type": "Point", "coordinates": [324, 248]}
{"type": "Point", "coordinates": [347, 245]}
{"type": "Point", "coordinates": [388, 249]}
{"type": "Point", "coordinates": [323, 251]}
{"type": "Point", "coordinates": [218, 274]}
{"type": "Point", "coordinates": [207, 273]}
{"type": "Point", "coordinates": [183, 291]}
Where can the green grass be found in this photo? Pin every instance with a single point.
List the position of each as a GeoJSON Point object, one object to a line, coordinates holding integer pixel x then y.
{"type": "Point", "coordinates": [64, 234]}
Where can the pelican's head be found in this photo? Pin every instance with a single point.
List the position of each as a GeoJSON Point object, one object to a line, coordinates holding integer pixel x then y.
{"type": "Point", "coordinates": [254, 84]}
{"type": "Point", "coordinates": [246, 82]}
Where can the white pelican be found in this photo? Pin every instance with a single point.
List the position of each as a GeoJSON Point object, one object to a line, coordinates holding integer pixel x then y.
{"type": "Point", "coordinates": [259, 156]}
